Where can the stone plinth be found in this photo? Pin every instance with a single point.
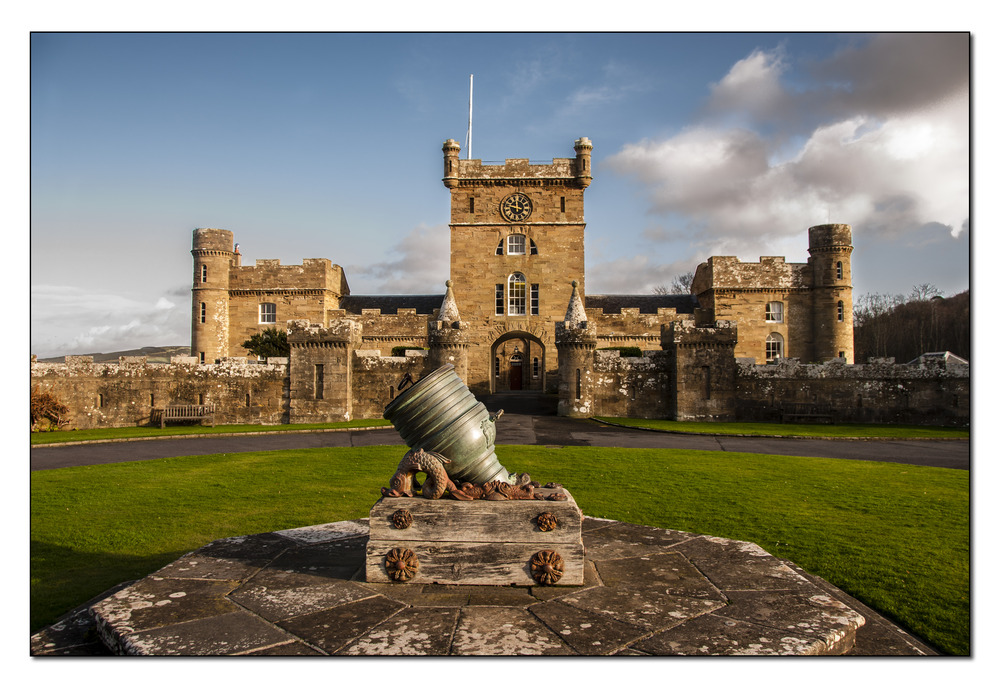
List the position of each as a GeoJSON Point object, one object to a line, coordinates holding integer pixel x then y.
{"type": "Point", "coordinates": [478, 542]}
{"type": "Point", "coordinates": [646, 591]}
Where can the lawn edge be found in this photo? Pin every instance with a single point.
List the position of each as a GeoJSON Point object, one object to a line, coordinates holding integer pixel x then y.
{"type": "Point", "coordinates": [803, 437]}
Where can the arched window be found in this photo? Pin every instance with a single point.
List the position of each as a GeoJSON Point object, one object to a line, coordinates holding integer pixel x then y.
{"type": "Point", "coordinates": [515, 245]}
{"type": "Point", "coordinates": [774, 347]}
{"type": "Point", "coordinates": [840, 270]}
{"type": "Point", "coordinates": [517, 300]}
{"type": "Point", "coordinates": [774, 312]}
{"type": "Point", "coordinates": [840, 311]}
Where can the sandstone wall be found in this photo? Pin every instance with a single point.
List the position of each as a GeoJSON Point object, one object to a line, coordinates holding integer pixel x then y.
{"type": "Point", "coordinates": [633, 387]}
{"type": "Point", "coordinates": [123, 394]}
{"type": "Point", "coordinates": [376, 378]}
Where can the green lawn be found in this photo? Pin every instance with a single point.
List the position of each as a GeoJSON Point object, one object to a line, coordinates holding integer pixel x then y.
{"type": "Point", "coordinates": [171, 430]}
{"type": "Point", "coordinates": [794, 429]}
{"type": "Point", "coordinates": [892, 535]}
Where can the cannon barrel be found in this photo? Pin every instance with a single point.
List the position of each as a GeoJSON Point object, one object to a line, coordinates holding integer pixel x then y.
{"type": "Point", "coordinates": [440, 414]}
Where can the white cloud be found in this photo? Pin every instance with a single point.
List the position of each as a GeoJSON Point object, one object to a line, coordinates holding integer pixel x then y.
{"type": "Point", "coordinates": [71, 320]}
{"type": "Point", "coordinates": [422, 267]}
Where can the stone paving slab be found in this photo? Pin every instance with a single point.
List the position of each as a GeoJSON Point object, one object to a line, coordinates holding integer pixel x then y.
{"type": "Point", "coordinates": [646, 591]}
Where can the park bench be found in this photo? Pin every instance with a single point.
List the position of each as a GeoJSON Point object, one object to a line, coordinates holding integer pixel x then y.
{"type": "Point", "coordinates": [791, 412]}
{"type": "Point", "coordinates": [178, 412]}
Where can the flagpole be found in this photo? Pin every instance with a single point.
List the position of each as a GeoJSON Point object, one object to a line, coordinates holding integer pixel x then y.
{"type": "Point", "coordinates": [468, 138]}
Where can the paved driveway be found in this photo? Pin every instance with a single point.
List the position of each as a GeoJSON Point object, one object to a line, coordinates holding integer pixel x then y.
{"type": "Point", "coordinates": [518, 429]}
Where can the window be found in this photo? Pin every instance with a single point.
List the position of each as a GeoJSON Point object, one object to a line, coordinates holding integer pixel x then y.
{"type": "Point", "coordinates": [534, 367]}
{"type": "Point", "coordinates": [500, 248]}
{"type": "Point", "coordinates": [516, 296]}
{"type": "Point", "coordinates": [203, 312]}
{"type": "Point", "coordinates": [840, 311]}
{"type": "Point", "coordinates": [204, 273]}
{"type": "Point", "coordinates": [773, 347]}
{"type": "Point", "coordinates": [248, 400]}
{"type": "Point", "coordinates": [318, 381]}
{"type": "Point", "coordinates": [579, 385]}
{"type": "Point", "coordinates": [534, 299]}
{"type": "Point", "coordinates": [496, 367]}
{"type": "Point", "coordinates": [840, 270]}
{"type": "Point", "coordinates": [268, 313]}
{"type": "Point", "coordinates": [534, 249]}
{"type": "Point", "coordinates": [472, 204]}
{"type": "Point", "coordinates": [562, 204]}
{"type": "Point", "coordinates": [515, 245]}
{"type": "Point", "coordinates": [201, 357]}
{"type": "Point", "coordinates": [499, 299]}
{"type": "Point", "coordinates": [774, 312]}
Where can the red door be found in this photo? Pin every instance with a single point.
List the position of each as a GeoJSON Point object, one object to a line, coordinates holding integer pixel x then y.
{"type": "Point", "coordinates": [515, 372]}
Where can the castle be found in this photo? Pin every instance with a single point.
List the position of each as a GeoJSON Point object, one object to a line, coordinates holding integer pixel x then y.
{"type": "Point", "coordinates": [516, 317]}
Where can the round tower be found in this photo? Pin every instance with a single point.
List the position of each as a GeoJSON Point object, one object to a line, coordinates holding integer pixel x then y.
{"type": "Point", "coordinates": [583, 148]}
{"type": "Point", "coordinates": [213, 254]}
{"type": "Point", "coordinates": [451, 150]}
{"type": "Point", "coordinates": [833, 306]}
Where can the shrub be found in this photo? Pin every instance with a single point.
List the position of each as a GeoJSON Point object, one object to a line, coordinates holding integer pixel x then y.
{"type": "Point", "coordinates": [625, 351]}
{"type": "Point", "coordinates": [271, 343]}
{"type": "Point", "coordinates": [401, 350]}
{"type": "Point", "coordinates": [47, 412]}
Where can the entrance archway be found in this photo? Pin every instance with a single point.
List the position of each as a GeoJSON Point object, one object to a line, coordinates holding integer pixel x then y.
{"type": "Point", "coordinates": [518, 361]}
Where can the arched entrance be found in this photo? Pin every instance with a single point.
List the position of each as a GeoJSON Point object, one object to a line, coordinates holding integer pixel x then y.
{"type": "Point", "coordinates": [518, 363]}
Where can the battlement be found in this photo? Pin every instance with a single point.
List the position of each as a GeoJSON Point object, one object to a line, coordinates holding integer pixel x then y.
{"type": "Point", "coordinates": [771, 272]}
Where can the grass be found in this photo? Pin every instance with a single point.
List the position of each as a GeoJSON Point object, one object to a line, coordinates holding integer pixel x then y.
{"type": "Point", "coordinates": [894, 536]}
{"type": "Point", "coordinates": [795, 430]}
{"type": "Point", "coordinates": [98, 434]}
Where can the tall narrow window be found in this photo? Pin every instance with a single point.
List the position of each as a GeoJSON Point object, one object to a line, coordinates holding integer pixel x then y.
{"type": "Point", "coordinates": [152, 400]}
{"type": "Point", "coordinates": [534, 299]}
{"type": "Point", "coordinates": [204, 273]}
{"type": "Point", "coordinates": [534, 367]}
{"type": "Point", "coordinates": [100, 401]}
{"type": "Point", "coordinates": [562, 204]}
{"type": "Point", "coordinates": [268, 313]}
{"type": "Point", "coordinates": [496, 367]}
{"type": "Point", "coordinates": [203, 312]}
{"type": "Point", "coordinates": [840, 270]}
{"type": "Point", "coordinates": [499, 300]}
{"type": "Point", "coordinates": [579, 386]}
{"type": "Point", "coordinates": [516, 296]}
{"type": "Point", "coordinates": [534, 249]}
{"type": "Point", "coordinates": [774, 347]}
{"type": "Point", "coordinates": [201, 399]}
{"type": "Point", "coordinates": [201, 357]}
{"type": "Point", "coordinates": [248, 400]}
{"type": "Point", "coordinates": [318, 381]}
{"type": "Point", "coordinates": [515, 245]}
{"type": "Point", "coordinates": [840, 311]}
{"type": "Point", "coordinates": [472, 204]}
{"type": "Point", "coordinates": [500, 248]}
{"type": "Point", "coordinates": [774, 312]}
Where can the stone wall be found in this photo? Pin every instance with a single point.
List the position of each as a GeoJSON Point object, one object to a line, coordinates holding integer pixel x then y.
{"type": "Point", "coordinates": [123, 394]}
{"type": "Point", "coordinates": [631, 387]}
{"type": "Point", "coordinates": [880, 391]}
{"type": "Point", "coordinates": [377, 377]}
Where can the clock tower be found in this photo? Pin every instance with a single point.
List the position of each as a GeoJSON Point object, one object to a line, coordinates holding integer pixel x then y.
{"type": "Point", "coordinates": [516, 248]}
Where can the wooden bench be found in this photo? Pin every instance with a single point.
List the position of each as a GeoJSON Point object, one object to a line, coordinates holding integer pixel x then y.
{"type": "Point", "coordinates": [792, 412]}
{"type": "Point", "coordinates": [177, 412]}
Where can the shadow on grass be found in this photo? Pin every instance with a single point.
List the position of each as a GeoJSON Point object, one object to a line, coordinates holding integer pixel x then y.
{"type": "Point", "coordinates": [74, 575]}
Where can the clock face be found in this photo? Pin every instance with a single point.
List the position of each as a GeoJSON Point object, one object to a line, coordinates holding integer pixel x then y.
{"type": "Point", "coordinates": [516, 207]}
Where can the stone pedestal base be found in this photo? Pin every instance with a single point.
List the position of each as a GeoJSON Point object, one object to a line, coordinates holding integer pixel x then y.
{"type": "Point", "coordinates": [481, 542]}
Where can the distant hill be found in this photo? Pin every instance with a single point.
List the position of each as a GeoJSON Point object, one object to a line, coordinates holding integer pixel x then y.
{"type": "Point", "coordinates": [153, 354]}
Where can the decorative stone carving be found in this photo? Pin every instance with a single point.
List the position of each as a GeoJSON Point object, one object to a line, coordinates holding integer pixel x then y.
{"type": "Point", "coordinates": [402, 519]}
{"type": "Point", "coordinates": [547, 521]}
{"type": "Point", "coordinates": [401, 564]}
{"type": "Point", "coordinates": [547, 567]}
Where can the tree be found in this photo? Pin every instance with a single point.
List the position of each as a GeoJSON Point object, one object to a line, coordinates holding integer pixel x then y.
{"type": "Point", "coordinates": [271, 343]}
{"type": "Point", "coordinates": [681, 284]}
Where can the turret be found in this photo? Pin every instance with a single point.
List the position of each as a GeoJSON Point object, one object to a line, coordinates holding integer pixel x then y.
{"type": "Point", "coordinates": [833, 306]}
{"type": "Point", "coordinates": [576, 341]}
{"type": "Point", "coordinates": [447, 337]}
{"type": "Point", "coordinates": [583, 148]}
{"type": "Point", "coordinates": [451, 150]}
{"type": "Point", "coordinates": [212, 251]}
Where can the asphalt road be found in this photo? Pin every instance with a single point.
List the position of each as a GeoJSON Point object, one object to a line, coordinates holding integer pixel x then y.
{"type": "Point", "coordinates": [517, 429]}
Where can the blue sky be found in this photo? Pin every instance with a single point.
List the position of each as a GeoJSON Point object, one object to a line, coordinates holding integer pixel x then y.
{"type": "Point", "coordinates": [329, 146]}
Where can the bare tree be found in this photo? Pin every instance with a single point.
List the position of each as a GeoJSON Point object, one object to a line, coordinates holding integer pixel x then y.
{"type": "Point", "coordinates": [681, 284]}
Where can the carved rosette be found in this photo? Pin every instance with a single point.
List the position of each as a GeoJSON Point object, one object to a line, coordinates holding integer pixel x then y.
{"type": "Point", "coordinates": [401, 564]}
{"type": "Point", "coordinates": [402, 519]}
{"type": "Point", "coordinates": [547, 567]}
{"type": "Point", "coordinates": [546, 521]}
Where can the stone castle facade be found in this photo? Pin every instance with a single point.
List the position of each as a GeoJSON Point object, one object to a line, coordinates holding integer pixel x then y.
{"type": "Point", "coordinates": [516, 316]}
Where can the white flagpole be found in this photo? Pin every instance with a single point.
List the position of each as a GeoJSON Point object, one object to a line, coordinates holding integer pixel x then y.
{"type": "Point", "coordinates": [468, 138]}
